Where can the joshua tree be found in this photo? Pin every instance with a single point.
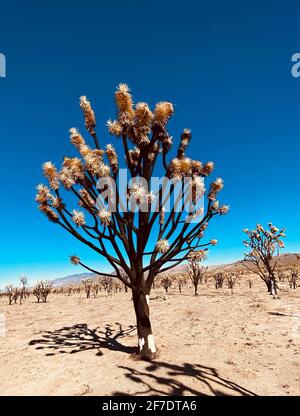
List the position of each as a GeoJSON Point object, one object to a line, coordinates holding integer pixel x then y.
{"type": "Point", "coordinates": [181, 281]}
{"type": "Point", "coordinates": [106, 283]}
{"type": "Point", "coordinates": [87, 283]}
{"type": "Point", "coordinates": [23, 281]}
{"type": "Point", "coordinates": [196, 271]}
{"type": "Point", "coordinates": [232, 279]}
{"type": "Point", "coordinates": [219, 280]}
{"type": "Point", "coordinates": [293, 277]}
{"type": "Point", "coordinates": [280, 274]}
{"type": "Point", "coordinates": [115, 219]}
{"type": "Point", "coordinates": [166, 282]}
{"type": "Point", "coordinates": [12, 293]}
{"type": "Point", "coordinates": [42, 289]}
{"type": "Point", "coordinates": [264, 244]}
{"type": "Point", "coordinates": [95, 288]}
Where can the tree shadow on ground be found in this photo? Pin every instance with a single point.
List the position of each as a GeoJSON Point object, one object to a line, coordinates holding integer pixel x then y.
{"type": "Point", "coordinates": [206, 381]}
{"type": "Point", "coordinates": [281, 314]}
{"type": "Point", "coordinates": [78, 338]}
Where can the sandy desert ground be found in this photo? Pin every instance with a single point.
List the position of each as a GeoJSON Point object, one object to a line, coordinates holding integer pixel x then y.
{"type": "Point", "coordinates": [214, 344]}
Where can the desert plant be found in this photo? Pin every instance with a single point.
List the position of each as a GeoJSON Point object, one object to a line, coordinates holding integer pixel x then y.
{"type": "Point", "coordinates": [23, 281]}
{"type": "Point", "coordinates": [106, 283]}
{"type": "Point", "coordinates": [196, 271]}
{"type": "Point", "coordinates": [181, 281]}
{"type": "Point", "coordinates": [219, 279]}
{"type": "Point", "coordinates": [41, 290]}
{"type": "Point", "coordinates": [117, 221]}
{"type": "Point", "coordinates": [280, 274]}
{"type": "Point", "coordinates": [12, 293]}
{"type": "Point", "coordinates": [95, 288]}
{"type": "Point", "coordinates": [293, 277]}
{"type": "Point", "coordinates": [232, 280]}
{"type": "Point", "coordinates": [264, 244]}
{"type": "Point", "coordinates": [166, 282]}
{"type": "Point", "coordinates": [87, 284]}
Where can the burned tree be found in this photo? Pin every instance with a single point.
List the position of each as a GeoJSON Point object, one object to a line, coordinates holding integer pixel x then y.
{"type": "Point", "coordinates": [196, 271]}
{"type": "Point", "coordinates": [264, 245]}
{"type": "Point", "coordinates": [116, 220]}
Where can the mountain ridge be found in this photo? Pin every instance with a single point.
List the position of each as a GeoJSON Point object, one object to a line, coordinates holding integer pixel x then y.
{"type": "Point", "coordinates": [283, 259]}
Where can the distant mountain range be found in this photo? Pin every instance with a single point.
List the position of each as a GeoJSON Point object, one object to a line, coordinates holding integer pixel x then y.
{"type": "Point", "coordinates": [284, 260]}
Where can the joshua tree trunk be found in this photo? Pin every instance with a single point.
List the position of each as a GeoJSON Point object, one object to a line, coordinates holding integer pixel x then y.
{"type": "Point", "coordinates": [271, 285]}
{"type": "Point", "coordinates": [146, 347]}
{"type": "Point", "coordinates": [196, 289]}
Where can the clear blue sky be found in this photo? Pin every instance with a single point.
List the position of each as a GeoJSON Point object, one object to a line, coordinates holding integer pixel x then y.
{"type": "Point", "coordinates": [224, 64]}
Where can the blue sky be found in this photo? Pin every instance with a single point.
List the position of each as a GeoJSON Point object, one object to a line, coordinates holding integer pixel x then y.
{"type": "Point", "coordinates": [226, 66]}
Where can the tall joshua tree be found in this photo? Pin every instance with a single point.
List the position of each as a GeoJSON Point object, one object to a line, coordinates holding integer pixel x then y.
{"type": "Point", "coordinates": [264, 244]}
{"type": "Point", "coordinates": [154, 236]}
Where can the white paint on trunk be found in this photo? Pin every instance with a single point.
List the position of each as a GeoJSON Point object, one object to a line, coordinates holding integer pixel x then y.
{"type": "Point", "coordinates": [151, 343]}
{"type": "Point", "coordinates": [141, 343]}
{"type": "Point", "coordinates": [147, 299]}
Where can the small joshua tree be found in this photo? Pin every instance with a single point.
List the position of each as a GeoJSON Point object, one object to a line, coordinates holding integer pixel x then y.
{"type": "Point", "coordinates": [219, 279]}
{"type": "Point", "coordinates": [264, 244]}
{"type": "Point", "coordinates": [87, 283]}
{"type": "Point", "coordinates": [12, 293]}
{"type": "Point", "coordinates": [23, 281]}
{"type": "Point", "coordinates": [232, 279]}
{"type": "Point", "coordinates": [42, 290]}
{"type": "Point", "coordinates": [95, 288]}
{"type": "Point", "coordinates": [293, 277]}
{"type": "Point", "coordinates": [181, 281]}
{"type": "Point", "coordinates": [280, 274]}
{"type": "Point", "coordinates": [166, 282]}
{"type": "Point", "coordinates": [106, 283]}
{"type": "Point", "coordinates": [196, 271]}
{"type": "Point", "coordinates": [116, 221]}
